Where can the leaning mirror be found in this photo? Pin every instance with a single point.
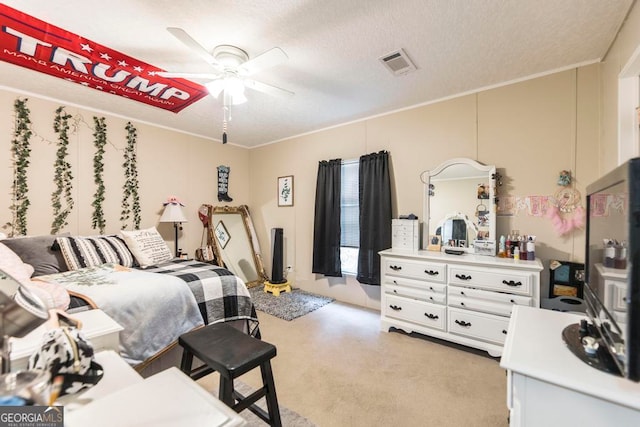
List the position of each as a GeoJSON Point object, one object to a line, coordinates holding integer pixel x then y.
{"type": "Point", "coordinates": [236, 243]}
{"type": "Point", "coordinates": [459, 208]}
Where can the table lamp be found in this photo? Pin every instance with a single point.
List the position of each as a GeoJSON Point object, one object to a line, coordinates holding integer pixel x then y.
{"type": "Point", "coordinates": [173, 213]}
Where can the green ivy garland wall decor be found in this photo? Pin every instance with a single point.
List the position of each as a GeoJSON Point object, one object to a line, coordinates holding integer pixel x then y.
{"type": "Point", "coordinates": [61, 198]}
{"type": "Point", "coordinates": [20, 148]}
{"type": "Point", "coordinates": [131, 181]}
{"type": "Point", "coordinates": [99, 141]}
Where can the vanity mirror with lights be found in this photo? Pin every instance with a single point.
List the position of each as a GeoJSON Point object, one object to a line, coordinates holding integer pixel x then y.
{"type": "Point", "coordinates": [460, 292]}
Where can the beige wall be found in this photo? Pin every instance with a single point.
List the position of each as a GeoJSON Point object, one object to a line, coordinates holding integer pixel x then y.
{"type": "Point", "coordinates": [620, 53]}
{"type": "Point", "coordinates": [530, 131]}
{"type": "Point", "coordinates": [169, 163]}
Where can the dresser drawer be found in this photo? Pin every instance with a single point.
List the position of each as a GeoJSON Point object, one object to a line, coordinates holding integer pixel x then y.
{"type": "Point", "coordinates": [420, 284]}
{"type": "Point", "coordinates": [507, 299]}
{"type": "Point", "coordinates": [420, 294]}
{"type": "Point", "coordinates": [422, 313]}
{"type": "Point", "coordinates": [619, 297]}
{"type": "Point", "coordinates": [432, 272]}
{"type": "Point", "coordinates": [478, 325]}
{"type": "Point", "coordinates": [501, 309]}
{"type": "Point", "coordinates": [507, 281]}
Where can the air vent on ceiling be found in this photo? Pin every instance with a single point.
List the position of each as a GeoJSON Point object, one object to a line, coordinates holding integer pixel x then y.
{"type": "Point", "coordinates": [397, 62]}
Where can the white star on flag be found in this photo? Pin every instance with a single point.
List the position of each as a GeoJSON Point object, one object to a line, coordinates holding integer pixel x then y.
{"type": "Point", "coordinates": [86, 47]}
{"type": "Point", "coordinates": [122, 63]}
{"type": "Point", "coordinates": [137, 69]}
{"type": "Point", "coordinates": [105, 56]}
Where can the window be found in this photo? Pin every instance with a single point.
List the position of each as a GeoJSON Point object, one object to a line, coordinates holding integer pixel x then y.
{"type": "Point", "coordinates": [349, 217]}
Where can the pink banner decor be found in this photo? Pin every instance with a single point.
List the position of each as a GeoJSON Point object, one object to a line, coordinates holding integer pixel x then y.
{"type": "Point", "coordinates": [31, 43]}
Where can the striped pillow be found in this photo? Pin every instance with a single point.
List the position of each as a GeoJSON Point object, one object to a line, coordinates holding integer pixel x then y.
{"type": "Point", "coordinates": [80, 252]}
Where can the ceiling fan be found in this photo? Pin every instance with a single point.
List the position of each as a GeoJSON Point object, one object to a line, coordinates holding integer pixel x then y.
{"type": "Point", "coordinates": [232, 68]}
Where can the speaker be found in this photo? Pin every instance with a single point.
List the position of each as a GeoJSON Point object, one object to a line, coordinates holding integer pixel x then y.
{"type": "Point", "coordinates": [277, 267]}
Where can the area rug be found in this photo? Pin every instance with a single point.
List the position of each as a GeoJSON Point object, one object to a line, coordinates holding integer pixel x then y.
{"type": "Point", "coordinates": [289, 305]}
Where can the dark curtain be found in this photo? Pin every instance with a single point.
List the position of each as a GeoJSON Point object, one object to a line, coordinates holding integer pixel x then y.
{"type": "Point", "coordinates": [375, 215]}
{"type": "Point", "coordinates": [326, 226]}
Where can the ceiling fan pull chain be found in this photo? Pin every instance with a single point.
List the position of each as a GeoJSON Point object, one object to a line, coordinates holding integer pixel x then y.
{"type": "Point", "coordinates": [224, 123]}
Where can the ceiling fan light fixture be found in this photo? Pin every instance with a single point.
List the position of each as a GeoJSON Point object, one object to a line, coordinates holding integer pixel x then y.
{"type": "Point", "coordinates": [238, 99]}
{"type": "Point", "coordinates": [215, 87]}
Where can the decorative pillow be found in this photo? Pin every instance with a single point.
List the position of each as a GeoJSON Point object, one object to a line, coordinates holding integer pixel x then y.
{"type": "Point", "coordinates": [13, 265]}
{"type": "Point", "coordinates": [80, 252]}
{"type": "Point", "coordinates": [147, 246]}
{"type": "Point", "coordinates": [53, 295]}
{"type": "Point", "coordinates": [37, 251]}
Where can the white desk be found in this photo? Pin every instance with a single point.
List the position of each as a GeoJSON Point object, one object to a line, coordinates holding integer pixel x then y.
{"type": "Point", "coordinates": [549, 386]}
{"type": "Point", "coordinates": [97, 327]}
{"type": "Point", "coordinates": [124, 398]}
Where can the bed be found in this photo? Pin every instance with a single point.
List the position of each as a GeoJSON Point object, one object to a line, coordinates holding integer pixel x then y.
{"type": "Point", "coordinates": [184, 294]}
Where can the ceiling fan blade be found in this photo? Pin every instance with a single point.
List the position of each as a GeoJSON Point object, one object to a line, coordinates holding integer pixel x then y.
{"type": "Point", "coordinates": [187, 40]}
{"type": "Point", "coordinates": [270, 58]}
{"type": "Point", "coordinates": [169, 74]}
{"type": "Point", "coordinates": [266, 88]}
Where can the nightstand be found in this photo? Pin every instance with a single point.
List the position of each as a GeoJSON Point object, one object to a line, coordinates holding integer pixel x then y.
{"type": "Point", "coordinates": [97, 327]}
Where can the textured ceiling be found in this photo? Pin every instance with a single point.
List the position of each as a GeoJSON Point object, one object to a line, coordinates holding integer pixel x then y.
{"type": "Point", "coordinates": [333, 48]}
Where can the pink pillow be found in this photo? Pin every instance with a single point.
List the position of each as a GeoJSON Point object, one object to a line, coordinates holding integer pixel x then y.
{"type": "Point", "coordinates": [12, 264]}
{"type": "Point", "coordinates": [52, 294]}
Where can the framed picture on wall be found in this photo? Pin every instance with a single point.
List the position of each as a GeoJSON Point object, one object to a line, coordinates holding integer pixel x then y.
{"type": "Point", "coordinates": [285, 190]}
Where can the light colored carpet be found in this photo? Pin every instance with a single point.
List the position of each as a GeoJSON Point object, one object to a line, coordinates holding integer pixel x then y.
{"type": "Point", "coordinates": [288, 305]}
{"type": "Point", "coordinates": [336, 368]}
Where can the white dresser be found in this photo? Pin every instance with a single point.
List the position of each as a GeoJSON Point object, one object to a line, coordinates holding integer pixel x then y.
{"type": "Point", "coordinates": [547, 385]}
{"type": "Point", "coordinates": [466, 299]}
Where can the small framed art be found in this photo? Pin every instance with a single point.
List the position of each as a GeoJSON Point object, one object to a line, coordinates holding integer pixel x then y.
{"type": "Point", "coordinates": [222, 234]}
{"type": "Point", "coordinates": [285, 190]}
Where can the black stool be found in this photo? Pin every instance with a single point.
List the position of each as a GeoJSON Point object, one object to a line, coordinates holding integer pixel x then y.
{"type": "Point", "coordinates": [232, 353]}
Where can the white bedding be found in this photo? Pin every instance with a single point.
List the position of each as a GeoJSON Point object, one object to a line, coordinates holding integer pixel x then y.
{"type": "Point", "coordinates": [154, 309]}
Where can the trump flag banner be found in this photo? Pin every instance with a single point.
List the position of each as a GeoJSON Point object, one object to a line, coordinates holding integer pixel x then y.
{"type": "Point", "coordinates": [31, 43]}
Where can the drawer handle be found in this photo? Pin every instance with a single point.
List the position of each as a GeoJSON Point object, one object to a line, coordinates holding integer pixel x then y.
{"type": "Point", "coordinates": [431, 288]}
{"type": "Point", "coordinates": [462, 293]}
{"type": "Point", "coordinates": [463, 277]}
{"type": "Point", "coordinates": [395, 291]}
{"type": "Point", "coordinates": [462, 304]}
{"type": "Point", "coordinates": [512, 283]}
{"type": "Point", "coordinates": [431, 316]}
{"type": "Point", "coordinates": [512, 302]}
{"type": "Point", "coordinates": [431, 298]}
{"type": "Point", "coordinates": [463, 323]}
{"type": "Point", "coordinates": [432, 273]}
{"type": "Point", "coordinates": [395, 267]}
{"type": "Point", "coordinates": [395, 307]}
{"type": "Point", "coordinates": [504, 331]}
{"type": "Point", "coordinates": [395, 282]}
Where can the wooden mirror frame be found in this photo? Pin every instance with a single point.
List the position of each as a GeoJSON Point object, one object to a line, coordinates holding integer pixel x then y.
{"type": "Point", "coordinates": [252, 237]}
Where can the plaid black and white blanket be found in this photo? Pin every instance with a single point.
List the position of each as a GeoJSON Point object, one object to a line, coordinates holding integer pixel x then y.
{"type": "Point", "coordinates": [221, 296]}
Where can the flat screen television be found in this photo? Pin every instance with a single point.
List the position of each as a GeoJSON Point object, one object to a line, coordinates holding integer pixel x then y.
{"type": "Point", "coordinates": [613, 245]}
